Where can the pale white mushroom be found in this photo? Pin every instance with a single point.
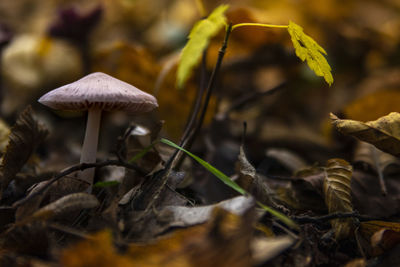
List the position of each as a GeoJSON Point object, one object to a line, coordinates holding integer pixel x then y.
{"type": "Point", "coordinates": [97, 92]}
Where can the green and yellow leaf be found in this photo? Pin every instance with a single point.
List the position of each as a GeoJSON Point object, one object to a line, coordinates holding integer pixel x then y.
{"type": "Point", "coordinates": [307, 49]}
{"type": "Point", "coordinates": [199, 38]}
{"type": "Point", "coordinates": [384, 133]}
{"type": "Point", "coordinates": [337, 191]}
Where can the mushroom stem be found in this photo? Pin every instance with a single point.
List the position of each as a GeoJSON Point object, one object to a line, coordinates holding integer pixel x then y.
{"type": "Point", "coordinates": [89, 148]}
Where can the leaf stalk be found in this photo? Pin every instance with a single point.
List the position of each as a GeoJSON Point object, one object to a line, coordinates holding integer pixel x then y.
{"type": "Point", "coordinates": [258, 25]}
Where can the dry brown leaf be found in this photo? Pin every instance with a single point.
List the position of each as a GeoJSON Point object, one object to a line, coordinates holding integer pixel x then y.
{"type": "Point", "coordinates": [97, 251]}
{"type": "Point", "coordinates": [337, 191]}
{"type": "Point", "coordinates": [384, 133]}
{"type": "Point", "coordinates": [25, 137]}
{"type": "Point", "coordinates": [305, 191]}
{"type": "Point", "coordinates": [371, 159]}
{"type": "Point", "coordinates": [250, 181]}
{"type": "Point", "coordinates": [384, 240]}
{"type": "Point", "coordinates": [376, 159]}
{"type": "Point", "coordinates": [223, 241]}
{"type": "Point", "coordinates": [368, 228]}
{"type": "Point", "coordinates": [382, 235]}
{"type": "Point", "coordinates": [65, 204]}
{"type": "Point", "coordinates": [31, 239]}
{"type": "Point", "coordinates": [367, 194]}
{"type": "Point", "coordinates": [308, 193]}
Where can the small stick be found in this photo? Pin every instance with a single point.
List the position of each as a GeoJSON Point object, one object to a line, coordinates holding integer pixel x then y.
{"type": "Point", "coordinates": [328, 217]}
{"type": "Point", "coordinates": [78, 167]}
{"type": "Point", "coordinates": [211, 83]}
{"type": "Point", "coordinates": [197, 105]}
{"type": "Point", "coordinates": [187, 142]}
{"type": "Point", "coordinates": [251, 97]}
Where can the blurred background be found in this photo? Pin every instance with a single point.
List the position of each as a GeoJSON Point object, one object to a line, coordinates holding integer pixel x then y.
{"type": "Point", "coordinates": [45, 44]}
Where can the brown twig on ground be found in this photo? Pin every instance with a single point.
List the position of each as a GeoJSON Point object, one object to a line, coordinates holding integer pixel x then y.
{"type": "Point", "coordinates": [338, 215]}
{"type": "Point", "coordinates": [79, 167]}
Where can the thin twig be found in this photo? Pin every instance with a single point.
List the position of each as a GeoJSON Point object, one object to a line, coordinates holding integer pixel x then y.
{"type": "Point", "coordinates": [328, 217]}
{"type": "Point", "coordinates": [121, 143]}
{"type": "Point", "coordinates": [197, 104]}
{"type": "Point", "coordinates": [79, 167]}
{"type": "Point", "coordinates": [249, 97]}
{"type": "Point", "coordinates": [211, 83]}
{"type": "Point", "coordinates": [187, 142]}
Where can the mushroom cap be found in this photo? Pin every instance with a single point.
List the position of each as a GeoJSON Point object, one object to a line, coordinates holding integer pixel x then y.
{"type": "Point", "coordinates": [99, 90]}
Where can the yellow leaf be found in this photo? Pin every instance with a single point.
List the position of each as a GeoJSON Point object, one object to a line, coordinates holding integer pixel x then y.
{"type": "Point", "coordinates": [307, 49]}
{"type": "Point", "coordinates": [199, 38]}
{"type": "Point", "coordinates": [384, 133]}
{"type": "Point", "coordinates": [337, 191]}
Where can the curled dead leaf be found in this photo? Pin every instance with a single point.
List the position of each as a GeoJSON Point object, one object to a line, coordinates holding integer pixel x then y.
{"type": "Point", "coordinates": [384, 133]}
{"type": "Point", "coordinates": [25, 137]}
{"type": "Point", "coordinates": [382, 235]}
{"type": "Point", "coordinates": [66, 204]}
{"type": "Point", "coordinates": [250, 181]}
{"type": "Point", "coordinates": [337, 191]}
{"type": "Point", "coordinates": [384, 240]}
{"type": "Point", "coordinates": [375, 159]}
{"type": "Point", "coordinates": [368, 228]}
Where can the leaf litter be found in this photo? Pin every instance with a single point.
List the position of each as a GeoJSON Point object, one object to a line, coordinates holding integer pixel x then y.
{"type": "Point", "coordinates": [340, 193]}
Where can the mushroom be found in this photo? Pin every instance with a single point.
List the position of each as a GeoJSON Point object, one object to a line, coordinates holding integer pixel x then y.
{"type": "Point", "coordinates": [97, 92]}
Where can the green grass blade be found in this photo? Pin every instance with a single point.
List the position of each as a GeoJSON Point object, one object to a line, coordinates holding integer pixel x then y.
{"type": "Point", "coordinates": [142, 153]}
{"type": "Point", "coordinates": [282, 217]}
{"type": "Point", "coordinates": [232, 184]}
{"type": "Point", "coordinates": [209, 167]}
{"type": "Point", "coordinates": [106, 184]}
